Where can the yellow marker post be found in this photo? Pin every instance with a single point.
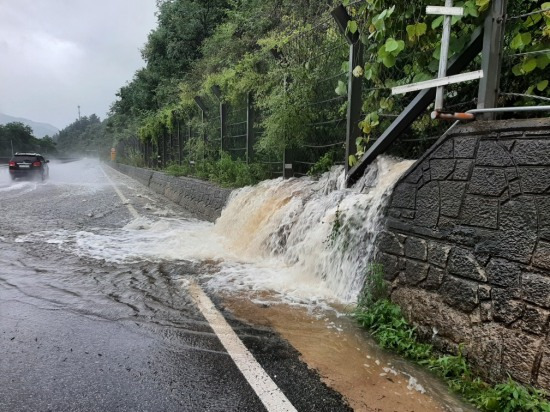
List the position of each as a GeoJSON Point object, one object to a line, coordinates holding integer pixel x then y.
{"type": "Point", "coordinates": [113, 154]}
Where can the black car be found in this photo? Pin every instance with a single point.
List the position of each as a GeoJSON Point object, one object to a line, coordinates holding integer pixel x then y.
{"type": "Point", "coordinates": [29, 165]}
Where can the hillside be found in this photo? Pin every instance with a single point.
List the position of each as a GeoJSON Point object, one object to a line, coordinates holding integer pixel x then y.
{"type": "Point", "coordinates": [39, 129]}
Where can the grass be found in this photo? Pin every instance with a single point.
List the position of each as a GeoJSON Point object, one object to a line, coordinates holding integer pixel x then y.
{"type": "Point", "coordinates": [225, 172]}
{"type": "Point", "coordinates": [391, 330]}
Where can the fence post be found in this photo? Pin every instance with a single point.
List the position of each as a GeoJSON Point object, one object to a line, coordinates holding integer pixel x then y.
{"type": "Point", "coordinates": [288, 170]}
{"type": "Point", "coordinates": [223, 115]}
{"type": "Point", "coordinates": [250, 128]}
{"type": "Point", "coordinates": [164, 149]}
{"type": "Point", "coordinates": [355, 84]}
{"type": "Point", "coordinates": [223, 125]}
{"type": "Point", "coordinates": [179, 142]}
{"type": "Point", "coordinates": [493, 40]}
{"type": "Point", "coordinates": [202, 108]}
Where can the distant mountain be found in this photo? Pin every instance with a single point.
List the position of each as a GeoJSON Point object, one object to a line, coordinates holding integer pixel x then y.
{"type": "Point", "coordinates": [39, 129]}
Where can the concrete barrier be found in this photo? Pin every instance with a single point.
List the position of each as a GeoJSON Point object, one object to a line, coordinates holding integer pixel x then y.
{"type": "Point", "coordinates": [204, 199]}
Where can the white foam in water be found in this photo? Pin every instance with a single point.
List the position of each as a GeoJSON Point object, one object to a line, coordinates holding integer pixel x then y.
{"type": "Point", "coordinates": [145, 239]}
{"type": "Point", "coordinates": [294, 222]}
{"type": "Point", "coordinates": [278, 236]}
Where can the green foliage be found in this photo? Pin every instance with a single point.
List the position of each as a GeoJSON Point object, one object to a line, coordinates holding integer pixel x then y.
{"type": "Point", "coordinates": [324, 164]}
{"type": "Point", "coordinates": [132, 157]}
{"type": "Point", "coordinates": [83, 136]}
{"type": "Point", "coordinates": [402, 45]}
{"type": "Point", "coordinates": [179, 170]}
{"type": "Point", "coordinates": [336, 228]}
{"type": "Point", "coordinates": [226, 172]}
{"type": "Point", "coordinates": [375, 288]}
{"type": "Point", "coordinates": [21, 138]}
{"type": "Point", "coordinates": [390, 329]}
{"type": "Point", "coordinates": [229, 43]}
{"type": "Point", "coordinates": [511, 396]}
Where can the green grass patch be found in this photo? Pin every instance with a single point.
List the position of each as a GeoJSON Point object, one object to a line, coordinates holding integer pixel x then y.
{"type": "Point", "coordinates": [385, 321]}
{"type": "Point", "coordinates": [225, 172]}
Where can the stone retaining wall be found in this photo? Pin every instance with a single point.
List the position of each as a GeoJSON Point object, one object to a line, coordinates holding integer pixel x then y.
{"type": "Point", "coordinates": [467, 247]}
{"type": "Point", "coordinates": [201, 198]}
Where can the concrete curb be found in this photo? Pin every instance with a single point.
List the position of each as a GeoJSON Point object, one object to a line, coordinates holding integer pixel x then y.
{"type": "Point", "coordinates": [204, 199]}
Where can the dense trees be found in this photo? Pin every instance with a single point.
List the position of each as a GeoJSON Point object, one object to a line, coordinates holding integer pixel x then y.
{"type": "Point", "coordinates": [228, 43]}
{"type": "Point", "coordinates": [21, 138]}
{"type": "Point", "coordinates": [84, 136]}
{"type": "Point", "coordinates": [169, 53]}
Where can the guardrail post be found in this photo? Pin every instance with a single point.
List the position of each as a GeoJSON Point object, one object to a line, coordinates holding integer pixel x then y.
{"type": "Point", "coordinates": [250, 137]}
{"type": "Point", "coordinates": [492, 57]}
{"type": "Point", "coordinates": [356, 50]}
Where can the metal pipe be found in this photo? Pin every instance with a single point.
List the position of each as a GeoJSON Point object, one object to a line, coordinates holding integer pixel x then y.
{"type": "Point", "coordinates": [530, 96]}
{"type": "Point", "coordinates": [511, 109]}
{"type": "Point", "coordinates": [310, 146]}
{"type": "Point", "coordinates": [529, 14]}
{"type": "Point", "coordinates": [500, 110]}
{"type": "Point", "coordinates": [545, 51]}
{"type": "Point", "coordinates": [452, 116]}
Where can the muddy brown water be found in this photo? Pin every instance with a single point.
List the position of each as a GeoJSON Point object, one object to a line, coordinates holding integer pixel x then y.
{"type": "Point", "coordinates": [348, 361]}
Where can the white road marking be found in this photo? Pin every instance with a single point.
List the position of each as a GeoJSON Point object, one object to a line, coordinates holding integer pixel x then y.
{"type": "Point", "coordinates": [269, 393]}
{"type": "Point", "coordinates": [125, 201]}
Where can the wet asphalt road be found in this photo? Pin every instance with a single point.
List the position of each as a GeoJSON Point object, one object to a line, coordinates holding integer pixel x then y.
{"type": "Point", "coordinates": [84, 334]}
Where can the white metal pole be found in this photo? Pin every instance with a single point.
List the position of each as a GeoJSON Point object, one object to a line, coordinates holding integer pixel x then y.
{"type": "Point", "coordinates": [444, 56]}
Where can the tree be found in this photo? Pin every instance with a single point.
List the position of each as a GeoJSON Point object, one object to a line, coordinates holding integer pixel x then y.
{"type": "Point", "coordinates": [82, 136]}
{"type": "Point", "coordinates": [18, 135]}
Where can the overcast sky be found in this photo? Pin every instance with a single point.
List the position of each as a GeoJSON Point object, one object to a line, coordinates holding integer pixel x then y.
{"type": "Point", "coordinates": [58, 54]}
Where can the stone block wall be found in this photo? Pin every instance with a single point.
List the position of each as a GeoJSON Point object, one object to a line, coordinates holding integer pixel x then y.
{"type": "Point", "coordinates": [467, 247]}
{"type": "Point", "coordinates": [204, 199]}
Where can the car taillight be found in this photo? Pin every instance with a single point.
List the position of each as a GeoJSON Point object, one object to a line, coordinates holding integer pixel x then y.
{"type": "Point", "coordinates": [12, 164]}
{"type": "Point", "coordinates": [37, 164]}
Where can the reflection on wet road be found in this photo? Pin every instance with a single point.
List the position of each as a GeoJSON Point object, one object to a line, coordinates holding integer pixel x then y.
{"type": "Point", "coordinates": [96, 314]}
{"type": "Point", "coordinates": [82, 328]}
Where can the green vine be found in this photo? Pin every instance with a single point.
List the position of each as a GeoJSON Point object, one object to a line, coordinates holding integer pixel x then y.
{"type": "Point", "coordinates": [402, 45]}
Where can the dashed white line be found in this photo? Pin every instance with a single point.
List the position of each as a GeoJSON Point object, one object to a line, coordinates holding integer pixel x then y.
{"type": "Point", "coordinates": [125, 201]}
{"type": "Point", "coordinates": [269, 393]}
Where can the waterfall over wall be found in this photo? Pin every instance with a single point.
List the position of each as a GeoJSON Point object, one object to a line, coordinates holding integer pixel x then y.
{"type": "Point", "coordinates": [319, 229]}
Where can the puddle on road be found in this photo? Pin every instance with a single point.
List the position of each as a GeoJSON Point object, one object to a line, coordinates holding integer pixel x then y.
{"type": "Point", "coordinates": [348, 361]}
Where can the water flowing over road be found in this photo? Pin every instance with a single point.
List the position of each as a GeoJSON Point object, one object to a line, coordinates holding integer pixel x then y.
{"type": "Point", "coordinates": [103, 304]}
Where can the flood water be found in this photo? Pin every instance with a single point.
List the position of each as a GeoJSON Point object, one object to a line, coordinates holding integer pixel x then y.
{"type": "Point", "coordinates": [274, 259]}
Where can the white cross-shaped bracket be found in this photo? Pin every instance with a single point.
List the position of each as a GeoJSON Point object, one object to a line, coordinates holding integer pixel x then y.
{"type": "Point", "coordinates": [442, 79]}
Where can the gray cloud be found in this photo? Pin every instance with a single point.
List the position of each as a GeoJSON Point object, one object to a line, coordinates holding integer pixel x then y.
{"type": "Point", "coordinates": [58, 54]}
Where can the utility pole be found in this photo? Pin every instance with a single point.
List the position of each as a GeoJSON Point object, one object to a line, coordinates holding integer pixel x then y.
{"type": "Point", "coordinates": [78, 112]}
